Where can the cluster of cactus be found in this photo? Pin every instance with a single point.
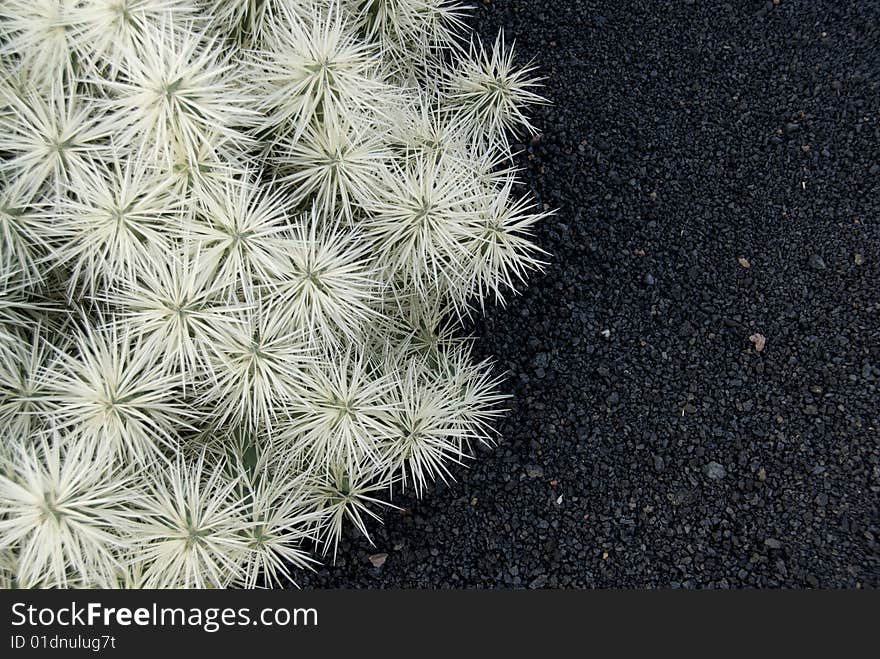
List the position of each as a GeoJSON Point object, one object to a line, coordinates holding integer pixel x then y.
{"type": "Point", "coordinates": [238, 240]}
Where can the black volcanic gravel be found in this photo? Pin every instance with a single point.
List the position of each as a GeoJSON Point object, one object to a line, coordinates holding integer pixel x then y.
{"type": "Point", "coordinates": [716, 167]}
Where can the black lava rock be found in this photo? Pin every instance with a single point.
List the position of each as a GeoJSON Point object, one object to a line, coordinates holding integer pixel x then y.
{"type": "Point", "coordinates": [696, 103]}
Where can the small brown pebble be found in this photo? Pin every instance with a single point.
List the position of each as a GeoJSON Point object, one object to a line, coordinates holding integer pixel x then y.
{"type": "Point", "coordinates": [859, 259]}
{"type": "Point", "coordinates": [378, 560]}
{"type": "Point", "coordinates": [758, 340]}
{"type": "Point", "coordinates": [554, 483]}
{"type": "Point", "coordinates": [762, 474]}
{"type": "Point", "coordinates": [744, 262]}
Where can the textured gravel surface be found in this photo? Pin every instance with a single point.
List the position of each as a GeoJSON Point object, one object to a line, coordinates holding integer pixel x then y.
{"type": "Point", "coordinates": [716, 167]}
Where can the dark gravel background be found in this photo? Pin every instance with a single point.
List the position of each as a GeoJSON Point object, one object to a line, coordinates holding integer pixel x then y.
{"type": "Point", "coordinates": [716, 166]}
